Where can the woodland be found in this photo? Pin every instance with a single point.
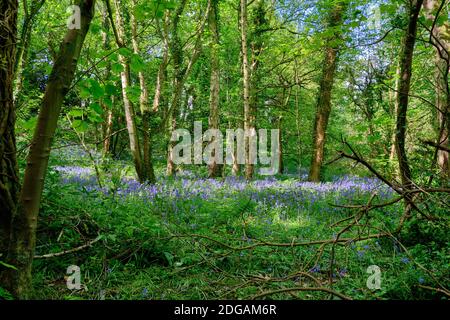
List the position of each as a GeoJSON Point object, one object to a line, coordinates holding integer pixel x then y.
{"type": "Point", "coordinates": [95, 203]}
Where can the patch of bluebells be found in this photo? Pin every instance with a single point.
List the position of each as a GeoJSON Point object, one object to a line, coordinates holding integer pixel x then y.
{"type": "Point", "coordinates": [267, 193]}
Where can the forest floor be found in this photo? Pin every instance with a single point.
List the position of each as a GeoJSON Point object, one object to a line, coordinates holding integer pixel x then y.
{"type": "Point", "coordinates": [194, 238]}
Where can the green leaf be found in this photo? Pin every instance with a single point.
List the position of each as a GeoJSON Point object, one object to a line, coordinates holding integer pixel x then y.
{"type": "Point", "coordinates": [30, 123]}
{"type": "Point", "coordinates": [125, 52]}
{"type": "Point", "coordinates": [96, 89]}
{"type": "Point", "coordinates": [136, 63]}
{"type": "Point", "coordinates": [76, 113]}
{"type": "Point", "coordinates": [110, 89]}
{"type": "Point", "coordinates": [80, 125]}
{"type": "Point", "coordinates": [169, 258]}
{"type": "Point", "coordinates": [84, 92]}
{"type": "Point", "coordinates": [117, 67]}
{"type": "Point", "coordinates": [96, 108]}
{"type": "Point", "coordinates": [95, 117]}
{"type": "Point", "coordinates": [107, 102]}
{"type": "Point", "coordinates": [5, 294]}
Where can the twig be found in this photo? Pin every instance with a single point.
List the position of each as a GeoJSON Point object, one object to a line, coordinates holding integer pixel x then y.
{"type": "Point", "coordinates": [322, 289]}
{"type": "Point", "coordinates": [58, 254]}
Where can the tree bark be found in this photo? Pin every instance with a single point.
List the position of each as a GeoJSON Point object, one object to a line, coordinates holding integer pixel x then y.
{"type": "Point", "coordinates": [180, 74]}
{"type": "Point", "coordinates": [406, 58]}
{"type": "Point", "coordinates": [397, 81]}
{"type": "Point", "coordinates": [108, 119]}
{"type": "Point", "coordinates": [23, 236]}
{"type": "Point", "coordinates": [248, 123]}
{"type": "Point", "coordinates": [214, 169]}
{"type": "Point", "coordinates": [162, 71]}
{"type": "Point", "coordinates": [148, 173]}
{"type": "Point", "coordinates": [442, 47]}
{"type": "Point", "coordinates": [178, 77]}
{"type": "Point", "coordinates": [323, 109]}
{"type": "Point", "coordinates": [280, 146]}
{"type": "Point", "coordinates": [119, 34]}
{"type": "Point", "coordinates": [9, 181]}
{"type": "Point", "coordinates": [30, 13]}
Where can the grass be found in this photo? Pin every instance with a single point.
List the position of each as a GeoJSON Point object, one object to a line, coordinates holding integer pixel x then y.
{"type": "Point", "coordinates": [192, 238]}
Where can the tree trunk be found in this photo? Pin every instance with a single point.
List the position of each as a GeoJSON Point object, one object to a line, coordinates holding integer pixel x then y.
{"type": "Point", "coordinates": [30, 14]}
{"type": "Point", "coordinates": [406, 58]}
{"type": "Point", "coordinates": [177, 60]}
{"type": "Point", "coordinates": [397, 81]}
{"type": "Point", "coordinates": [9, 181]}
{"type": "Point", "coordinates": [108, 119]}
{"type": "Point", "coordinates": [180, 74]}
{"type": "Point", "coordinates": [442, 48]}
{"type": "Point", "coordinates": [280, 147]}
{"type": "Point", "coordinates": [214, 169]}
{"type": "Point", "coordinates": [148, 173]}
{"type": "Point", "coordinates": [162, 71]}
{"type": "Point", "coordinates": [248, 119]}
{"type": "Point", "coordinates": [23, 238]}
{"type": "Point", "coordinates": [326, 86]}
{"type": "Point", "coordinates": [119, 34]}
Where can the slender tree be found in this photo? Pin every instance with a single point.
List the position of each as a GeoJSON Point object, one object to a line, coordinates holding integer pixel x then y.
{"type": "Point", "coordinates": [31, 11]}
{"type": "Point", "coordinates": [323, 108]}
{"type": "Point", "coordinates": [248, 119]}
{"type": "Point", "coordinates": [148, 173]}
{"type": "Point", "coordinates": [176, 51]}
{"type": "Point", "coordinates": [214, 169]}
{"type": "Point", "coordinates": [119, 35]}
{"type": "Point", "coordinates": [109, 117]}
{"type": "Point", "coordinates": [406, 59]}
{"type": "Point", "coordinates": [439, 39]}
{"type": "Point", "coordinates": [23, 235]}
{"type": "Point", "coordinates": [9, 180]}
{"type": "Point", "coordinates": [162, 71]}
{"type": "Point", "coordinates": [181, 73]}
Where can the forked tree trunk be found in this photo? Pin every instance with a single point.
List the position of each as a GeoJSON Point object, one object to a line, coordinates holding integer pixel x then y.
{"type": "Point", "coordinates": [9, 180]}
{"type": "Point", "coordinates": [323, 109]}
{"type": "Point", "coordinates": [23, 236]}
{"type": "Point", "coordinates": [214, 169]}
{"type": "Point", "coordinates": [148, 174]}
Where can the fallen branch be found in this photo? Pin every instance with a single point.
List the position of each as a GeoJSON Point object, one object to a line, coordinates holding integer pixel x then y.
{"type": "Point", "coordinates": [322, 289]}
{"type": "Point", "coordinates": [287, 245]}
{"type": "Point", "coordinates": [435, 289]}
{"type": "Point", "coordinates": [58, 254]}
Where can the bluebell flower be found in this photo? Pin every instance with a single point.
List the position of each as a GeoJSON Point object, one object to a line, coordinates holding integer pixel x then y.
{"type": "Point", "coordinates": [405, 260]}
{"type": "Point", "coordinates": [315, 269]}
